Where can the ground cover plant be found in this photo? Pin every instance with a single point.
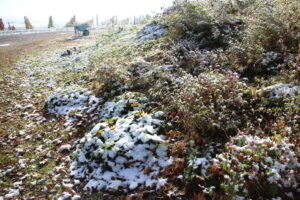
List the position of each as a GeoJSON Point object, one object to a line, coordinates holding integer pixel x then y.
{"type": "Point", "coordinates": [201, 102]}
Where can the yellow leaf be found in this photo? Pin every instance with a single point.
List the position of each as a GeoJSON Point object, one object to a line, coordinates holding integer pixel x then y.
{"type": "Point", "coordinates": [100, 132]}
{"type": "Point", "coordinates": [160, 52]}
{"type": "Point", "coordinates": [143, 113]}
{"type": "Point", "coordinates": [253, 91]}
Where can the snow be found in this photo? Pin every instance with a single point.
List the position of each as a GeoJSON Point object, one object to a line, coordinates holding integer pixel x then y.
{"type": "Point", "coordinates": [123, 104]}
{"type": "Point", "coordinates": [76, 197]}
{"type": "Point", "coordinates": [203, 162]}
{"type": "Point", "coordinates": [72, 102]}
{"type": "Point", "coordinates": [22, 163]}
{"type": "Point", "coordinates": [64, 148]}
{"type": "Point", "coordinates": [17, 184]}
{"type": "Point", "coordinates": [65, 101]}
{"type": "Point", "coordinates": [115, 153]}
{"type": "Point", "coordinates": [4, 45]}
{"type": "Point", "coordinates": [152, 31]}
{"type": "Point", "coordinates": [279, 90]}
{"type": "Point", "coordinates": [12, 193]}
{"type": "Point", "coordinates": [65, 195]}
{"type": "Point", "coordinates": [268, 158]}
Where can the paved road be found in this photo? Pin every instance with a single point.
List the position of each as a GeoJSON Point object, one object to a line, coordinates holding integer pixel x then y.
{"type": "Point", "coordinates": [21, 39]}
{"type": "Point", "coordinates": [13, 46]}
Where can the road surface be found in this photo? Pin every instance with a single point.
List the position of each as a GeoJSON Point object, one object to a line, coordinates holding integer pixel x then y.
{"type": "Point", "coordinates": [21, 39]}
{"type": "Point", "coordinates": [13, 46]}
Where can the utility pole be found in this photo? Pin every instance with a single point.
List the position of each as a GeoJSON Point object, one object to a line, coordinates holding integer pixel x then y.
{"type": "Point", "coordinates": [97, 20]}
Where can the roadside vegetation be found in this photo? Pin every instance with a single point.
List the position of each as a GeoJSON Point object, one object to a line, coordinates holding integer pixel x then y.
{"type": "Point", "coordinates": [202, 102]}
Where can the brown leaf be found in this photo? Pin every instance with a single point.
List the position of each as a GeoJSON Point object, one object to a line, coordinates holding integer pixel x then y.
{"type": "Point", "coordinates": [214, 169]}
{"type": "Point", "coordinates": [147, 170]}
{"type": "Point", "coordinates": [200, 196]}
{"type": "Point", "coordinates": [173, 132]}
{"type": "Point", "coordinates": [68, 189]}
{"type": "Point", "coordinates": [176, 168]}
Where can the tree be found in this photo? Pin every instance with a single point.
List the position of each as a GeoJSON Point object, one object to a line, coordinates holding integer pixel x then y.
{"type": "Point", "coordinates": [27, 23]}
{"type": "Point", "coordinates": [50, 23]}
{"type": "Point", "coordinates": [113, 21]}
{"type": "Point", "coordinates": [72, 22]}
{"type": "Point", "coordinates": [1, 25]}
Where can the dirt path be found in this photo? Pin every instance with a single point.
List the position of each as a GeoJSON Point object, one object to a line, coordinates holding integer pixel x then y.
{"type": "Point", "coordinates": [30, 164]}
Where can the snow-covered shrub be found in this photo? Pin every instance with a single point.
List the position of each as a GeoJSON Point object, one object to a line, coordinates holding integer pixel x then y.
{"type": "Point", "coordinates": [195, 164]}
{"type": "Point", "coordinates": [182, 18]}
{"type": "Point", "coordinates": [124, 151]}
{"type": "Point", "coordinates": [152, 30]}
{"type": "Point", "coordinates": [148, 80]}
{"type": "Point", "coordinates": [123, 104]}
{"type": "Point", "coordinates": [193, 60]}
{"type": "Point", "coordinates": [111, 79]}
{"type": "Point", "coordinates": [273, 109]}
{"type": "Point", "coordinates": [190, 20]}
{"type": "Point", "coordinates": [279, 90]}
{"type": "Point", "coordinates": [71, 100]}
{"type": "Point", "coordinates": [122, 154]}
{"type": "Point", "coordinates": [271, 28]}
{"type": "Point", "coordinates": [255, 167]}
{"type": "Point", "coordinates": [210, 103]}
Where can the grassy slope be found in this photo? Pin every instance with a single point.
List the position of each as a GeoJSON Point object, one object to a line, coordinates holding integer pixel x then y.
{"type": "Point", "coordinates": [115, 49]}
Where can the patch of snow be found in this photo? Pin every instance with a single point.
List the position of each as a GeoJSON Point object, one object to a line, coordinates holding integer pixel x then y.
{"type": "Point", "coordinates": [12, 193]}
{"type": "Point", "coordinates": [17, 184]}
{"type": "Point", "coordinates": [65, 195]}
{"type": "Point", "coordinates": [203, 163]}
{"type": "Point", "coordinates": [76, 197]}
{"type": "Point", "coordinates": [276, 162]}
{"type": "Point", "coordinates": [122, 105]}
{"type": "Point", "coordinates": [152, 31]}
{"type": "Point", "coordinates": [124, 153]}
{"type": "Point", "coordinates": [280, 90]}
{"type": "Point", "coordinates": [22, 163]}
{"type": "Point", "coordinates": [4, 45]}
{"type": "Point", "coordinates": [73, 100]}
{"type": "Point", "coordinates": [64, 148]}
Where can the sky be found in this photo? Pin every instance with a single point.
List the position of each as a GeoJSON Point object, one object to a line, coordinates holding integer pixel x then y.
{"type": "Point", "coordinates": [38, 11]}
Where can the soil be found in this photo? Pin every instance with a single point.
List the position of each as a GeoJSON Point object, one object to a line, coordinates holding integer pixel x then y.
{"type": "Point", "coordinates": [22, 98]}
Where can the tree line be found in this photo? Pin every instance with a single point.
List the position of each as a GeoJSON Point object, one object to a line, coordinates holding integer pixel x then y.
{"type": "Point", "coordinates": [113, 21]}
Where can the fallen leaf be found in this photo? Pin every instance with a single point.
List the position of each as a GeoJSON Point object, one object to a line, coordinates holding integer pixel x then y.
{"type": "Point", "coordinates": [147, 170]}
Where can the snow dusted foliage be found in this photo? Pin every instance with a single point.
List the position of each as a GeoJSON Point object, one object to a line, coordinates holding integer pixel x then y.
{"type": "Point", "coordinates": [151, 31]}
{"type": "Point", "coordinates": [253, 163]}
{"type": "Point", "coordinates": [280, 90]}
{"type": "Point", "coordinates": [73, 99]}
{"type": "Point", "coordinates": [123, 153]}
{"type": "Point", "coordinates": [211, 103]}
{"type": "Point", "coordinates": [123, 104]}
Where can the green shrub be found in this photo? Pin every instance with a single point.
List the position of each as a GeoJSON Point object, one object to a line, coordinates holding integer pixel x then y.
{"type": "Point", "coordinates": [255, 167]}
{"type": "Point", "coordinates": [271, 33]}
{"type": "Point", "coordinates": [110, 81]}
{"type": "Point", "coordinates": [183, 16]}
{"type": "Point", "coordinates": [210, 103]}
{"type": "Point", "coordinates": [190, 20]}
{"type": "Point", "coordinates": [224, 9]}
